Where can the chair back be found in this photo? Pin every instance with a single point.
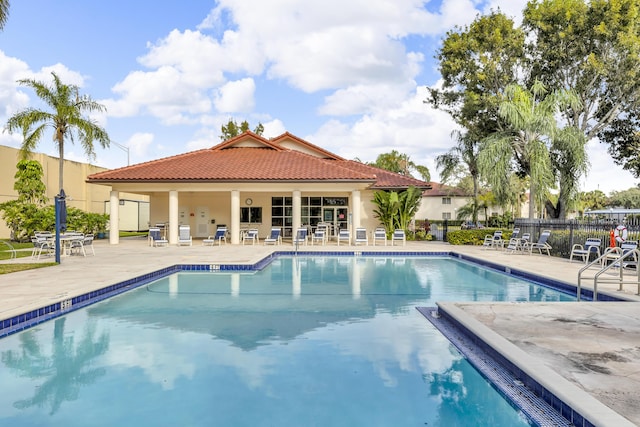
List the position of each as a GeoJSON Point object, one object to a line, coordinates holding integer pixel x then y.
{"type": "Point", "coordinates": [154, 233]}
{"type": "Point", "coordinates": [497, 235]}
{"type": "Point", "coordinates": [544, 236]}
{"type": "Point", "coordinates": [398, 234]}
{"type": "Point", "coordinates": [515, 233]}
{"type": "Point", "coordinates": [275, 233]}
{"type": "Point", "coordinates": [344, 233]}
{"type": "Point", "coordinates": [629, 245]}
{"type": "Point", "coordinates": [221, 232]}
{"type": "Point", "coordinates": [301, 234]}
{"type": "Point", "coordinates": [592, 243]}
{"type": "Point", "coordinates": [184, 232]}
{"type": "Point", "coordinates": [361, 234]}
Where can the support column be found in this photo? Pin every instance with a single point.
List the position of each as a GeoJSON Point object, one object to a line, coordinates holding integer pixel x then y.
{"type": "Point", "coordinates": [356, 206]}
{"type": "Point", "coordinates": [173, 217]}
{"type": "Point", "coordinates": [114, 218]}
{"type": "Point", "coordinates": [297, 213]}
{"type": "Point", "coordinates": [235, 217]}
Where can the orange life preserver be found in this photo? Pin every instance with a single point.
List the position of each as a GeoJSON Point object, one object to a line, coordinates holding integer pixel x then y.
{"type": "Point", "coordinates": [620, 233]}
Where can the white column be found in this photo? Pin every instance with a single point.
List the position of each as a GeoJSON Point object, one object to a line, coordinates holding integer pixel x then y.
{"type": "Point", "coordinates": [297, 212]}
{"type": "Point", "coordinates": [235, 217]}
{"type": "Point", "coordinates": [173, 217]}
{"type": "Point", "coordinates": [355, 207]}
{"type": "Point", "coordinates": [114, 218]}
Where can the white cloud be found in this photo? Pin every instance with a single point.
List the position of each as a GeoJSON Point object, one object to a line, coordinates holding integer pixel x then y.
{"type": "Point", "coordinates": [236, 97]}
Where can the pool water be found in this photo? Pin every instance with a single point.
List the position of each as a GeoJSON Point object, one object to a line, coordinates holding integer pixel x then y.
{"type": "Point", "coordinates": [308, 341]}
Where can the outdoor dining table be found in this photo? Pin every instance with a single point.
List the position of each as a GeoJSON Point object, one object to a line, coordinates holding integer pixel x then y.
{"type": "Point", "coordinates": [66, 241]}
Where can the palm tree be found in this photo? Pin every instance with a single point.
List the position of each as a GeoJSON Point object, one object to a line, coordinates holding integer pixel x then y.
{"type": "Point", "coordinates": [4, 12]}
{"type": "Point", "coordinates": [530, 116]}
{"type": "Point", "coordinates": [66, 119]}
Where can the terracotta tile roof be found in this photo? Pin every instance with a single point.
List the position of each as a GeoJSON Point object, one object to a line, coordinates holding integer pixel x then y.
{"type": "Point", "coordinates": [250, 157]}
{"type": "Point", "coordinates": [438, 189]}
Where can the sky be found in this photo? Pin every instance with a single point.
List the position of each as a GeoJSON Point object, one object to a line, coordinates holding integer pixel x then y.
{"type": "Point", "coordinates": [350, 76]}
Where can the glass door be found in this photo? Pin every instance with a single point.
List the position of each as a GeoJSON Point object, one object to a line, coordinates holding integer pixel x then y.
{"type": "Point", "coordinates": [337, 218]}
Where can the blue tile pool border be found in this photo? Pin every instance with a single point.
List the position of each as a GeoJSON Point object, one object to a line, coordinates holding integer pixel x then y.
{"type": "Point", "coordinates": [26, 320]}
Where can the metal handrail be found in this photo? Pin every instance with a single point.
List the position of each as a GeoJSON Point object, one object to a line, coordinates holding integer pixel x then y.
{"type": "Point", "coordinates": [617, 262]}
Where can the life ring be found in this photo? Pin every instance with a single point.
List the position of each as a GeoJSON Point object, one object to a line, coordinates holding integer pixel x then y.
{"type": "Point", "coordinates": [620, 233]}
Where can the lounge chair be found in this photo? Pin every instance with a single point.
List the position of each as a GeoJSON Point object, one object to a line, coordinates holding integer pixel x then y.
{"type": "Point", "coordinates": [318, 236]}
{"type": "Point", "coordinates": [219, 237]}
{"type": "Point", "coordinates": [41, 244]}
{"type": "Point", "coordinates": [251, 235]}
{"type": "Point", "coordinates": [184, 236]}
{"type": "Point", "coordinates": [274, 238]}
{"type": "Point", "coordinates": [344, 235]}
{"type": "Point", "coordinates": [361, 237]}
{"type": "Point", "coordinates": [614, 254]}
{"type": "Point", "coordinates": [591, 246]}
{"type": "Point", "coordinates": [541, 244]}
{"type": "Point", "coordinates": [301, 236]}
{"type": "Point", "coordinates": [493, 241]}
{"type": "Point", "coordinates": [518, 243]}
{"type": "Point", "coordinates": [379, 235]}
{"type": "Point", "coordinates": [156, 238]}
{"type": "Point", "coordinates": [398, 236]}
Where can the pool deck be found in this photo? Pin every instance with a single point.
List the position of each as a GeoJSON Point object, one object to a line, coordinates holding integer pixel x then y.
{"type": "Point", "coordinates": [587, 352]}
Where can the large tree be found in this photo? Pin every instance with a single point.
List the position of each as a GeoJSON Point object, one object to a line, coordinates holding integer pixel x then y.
{"type": "Point", "coordinates": [66, 118]}
{"type": "Point", "coordinates": [402, 164]}
{"type": "Point", "coordinates": [592, 48]}
{"type": "Point", "coordinates": [527, 142]}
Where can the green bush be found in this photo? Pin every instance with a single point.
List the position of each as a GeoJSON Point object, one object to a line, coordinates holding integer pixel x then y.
{"type": "Point", "coordinates": [474, 236]}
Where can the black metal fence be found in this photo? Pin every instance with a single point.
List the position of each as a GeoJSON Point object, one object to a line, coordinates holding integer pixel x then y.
{"type": "Point", "coordinates": [564, 233]}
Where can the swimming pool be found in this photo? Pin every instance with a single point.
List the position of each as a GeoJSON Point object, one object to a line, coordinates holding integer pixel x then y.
{"type": "Point", "coordinates": [325, 341]}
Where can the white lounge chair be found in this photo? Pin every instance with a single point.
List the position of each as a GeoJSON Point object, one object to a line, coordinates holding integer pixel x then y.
{"type": "Point", "coordinates": [184, 236]}
{"type": "Point", "coordinates": [361, 236]}
{"type": "Point", "coordinates": [301, 236]}
{"type": "Point", "coordinates": [591, 246]}
{"type": "Point", "coordinates": [251, 235]}
{"type": "Point", "coordinates": [518, 244]}
{"type": "Point", "coordinates": [541, 244]}
{"type": "Point", "coordinates": [379, 235]}
{"type": "Point", "coordinates": [318, 236]}
{"type": "Point", "coordinates": [156, 238]}
{"type": "Point", "coordinates": [398, 236]}
{"type": "Point", "coordinates": [219, 237]}
{"type": "Point", "coordinates": [344, 235]}
{"type": "Point", "coordinates": [493, 241]}
{"type": "Point", "coordinates": [274, 238]}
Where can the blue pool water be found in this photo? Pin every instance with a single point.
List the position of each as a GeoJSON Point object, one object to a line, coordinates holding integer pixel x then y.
{"type": "Point", "coordinates": [308, 341]}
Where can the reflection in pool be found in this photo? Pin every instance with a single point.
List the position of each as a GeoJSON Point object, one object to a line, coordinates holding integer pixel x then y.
{"type": "Point", "coordinates": [326, 341]}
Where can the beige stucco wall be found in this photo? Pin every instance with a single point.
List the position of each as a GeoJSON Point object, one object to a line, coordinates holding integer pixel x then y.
{"type": "Point", "coordinates": [88, 197]}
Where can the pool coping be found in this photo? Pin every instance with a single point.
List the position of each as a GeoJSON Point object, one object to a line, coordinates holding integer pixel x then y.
{"type": "Point", "coordinates": [68, 304]}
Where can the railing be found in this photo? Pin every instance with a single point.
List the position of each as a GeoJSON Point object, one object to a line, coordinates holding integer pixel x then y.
{"type": "Point", "coordinates": [617, 262]}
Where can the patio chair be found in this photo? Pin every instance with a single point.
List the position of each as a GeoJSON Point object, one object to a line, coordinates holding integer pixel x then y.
{"type": "Point", "coordinates": [184, 235]}
{"type": "Point", "coordinates": [219, 237]}
{"type": "Point", "coordinates": [155, 237]}
{"type": "Point", "coordinates": [614, 254]}
{"type": "Point", "coordinates": [398, 236]}
{"type": "Point", "coordinates": [518, 243]}
{"type": "Point", "coordinates": [41, 244]}
{"type": "Point", "coordinates": [379, 235]}
{"type": "Point", "coordinates": [318, 236]}
{"type": "Point", "coordinates": [591, 246]}
{"type": "Point", "coordinates": [301, 236]}
{"type": "Point", "coordinates": [361, 236]}
{"type": "Point", "coordinates": [493, 241]}
{"type": "Point", "coordinates": [251, 235]}
{"type": "Point", "coordinates": [344, 235]}
{"type": "Point", "coordinates": [274, 238]}
{"type": "Point", "coordinates": [541, 244]}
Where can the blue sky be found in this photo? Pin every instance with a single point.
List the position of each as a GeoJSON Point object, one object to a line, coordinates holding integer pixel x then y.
{"type": "Point", "coordinates": [349, 76]}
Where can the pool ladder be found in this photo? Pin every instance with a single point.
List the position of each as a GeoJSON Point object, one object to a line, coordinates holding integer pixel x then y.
{"type": "Point", "coordinates": [11, 248]}
{"type": "Point", "coordinates": [631, 256]}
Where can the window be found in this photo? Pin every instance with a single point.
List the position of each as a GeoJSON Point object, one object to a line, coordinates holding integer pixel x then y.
{"type": "Point", "coordinates": [446, 215]}
{"type": "Point", "coordinates": [446, 200]}
{"type": "Point", "coordinates": [251, 215]}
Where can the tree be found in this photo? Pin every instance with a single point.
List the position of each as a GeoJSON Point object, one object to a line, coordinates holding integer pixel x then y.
{"type": "Point", "coordinates": [526, 143]}
{"type": "Point", "coordinates": [4, 12]}
{"type": "Point", "coordinates": [66, 119]}
{"type": "Point", "coordinates": [231, 129]}
{"type": "Point", "coordinates": [25, 213]}
{"type": "Point", "coordinates": [464, 154]}
{"type": "Point", "coordinates": [396, 210]}
{"type": "Point", "coordinates": [402, 164]}
{"type": "Point", "coordinates": [628, 199]}
{"type": "Point", "coordinates": [593, 49]}
{"type": "Point", "coordinates": [592, 200]}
